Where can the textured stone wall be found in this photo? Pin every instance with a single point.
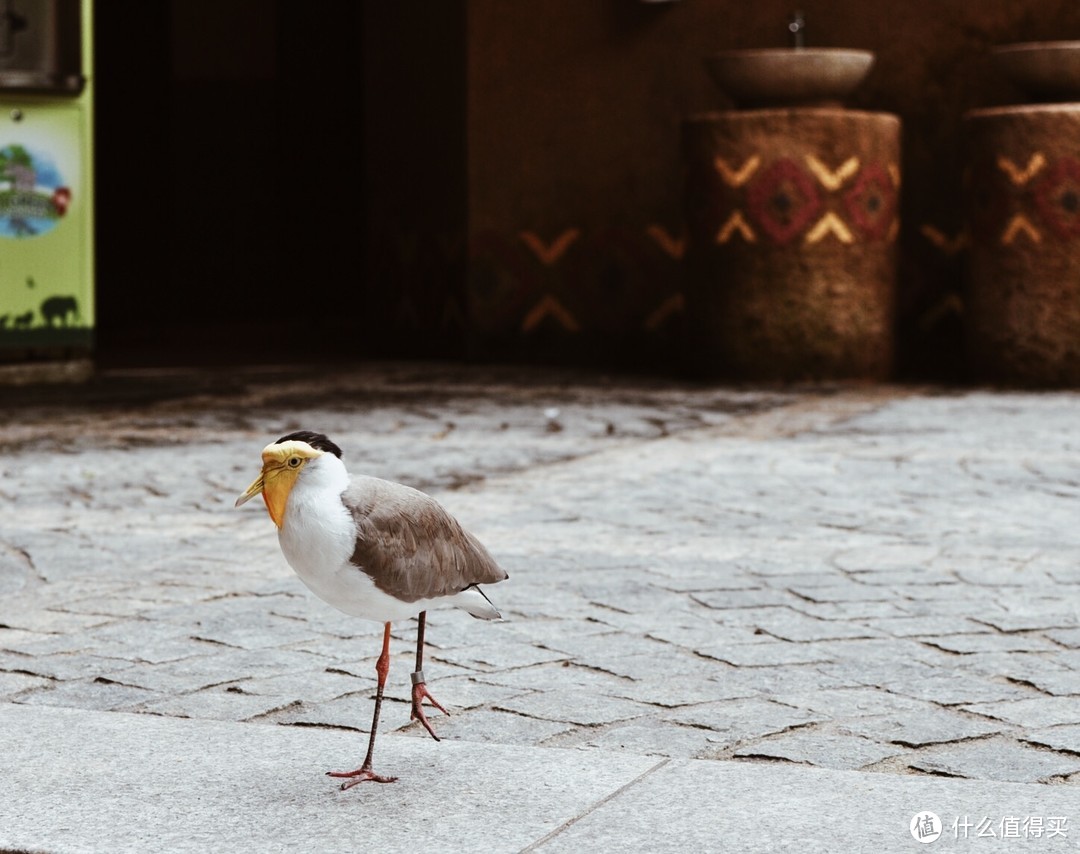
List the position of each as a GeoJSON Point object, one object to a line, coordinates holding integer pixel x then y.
{"type": "Point", "coordinates": [1022, 293]}
{"type": "Point", "coordinates": [791, 222]}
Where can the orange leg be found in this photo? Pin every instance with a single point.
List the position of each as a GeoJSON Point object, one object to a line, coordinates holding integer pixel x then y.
{"type": "Point", "coordinates": [419, 689]}
{"type": "Point", "coordinates": [364, 772]}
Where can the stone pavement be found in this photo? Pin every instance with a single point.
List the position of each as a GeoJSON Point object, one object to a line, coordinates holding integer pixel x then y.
{"type": "Point", "coordinates": [879, 583]}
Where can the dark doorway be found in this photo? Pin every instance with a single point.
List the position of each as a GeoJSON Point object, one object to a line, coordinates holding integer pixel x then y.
{"type": "Point", "coordinates": [253, 158]}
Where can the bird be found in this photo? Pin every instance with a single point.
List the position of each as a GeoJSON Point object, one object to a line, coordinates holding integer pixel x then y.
{"type": "Point", "coordinates": [373, 549]}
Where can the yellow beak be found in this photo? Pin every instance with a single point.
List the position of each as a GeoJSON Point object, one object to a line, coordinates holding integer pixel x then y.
{"type": "Point", "coordinates": [253, 490]}
{"type": "Point", "coordinates": [275, 482]}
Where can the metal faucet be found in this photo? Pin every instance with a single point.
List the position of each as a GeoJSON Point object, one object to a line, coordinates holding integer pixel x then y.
{"type": "Point", "coordinates": [796, 26]}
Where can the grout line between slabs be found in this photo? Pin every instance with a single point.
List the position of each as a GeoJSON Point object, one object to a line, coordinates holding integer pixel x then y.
{"type": "Point", "coordinates": [549, 836]}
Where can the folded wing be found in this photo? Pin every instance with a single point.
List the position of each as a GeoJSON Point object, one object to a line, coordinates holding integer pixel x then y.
{"type": "Point", "coordinates": [410, 546]}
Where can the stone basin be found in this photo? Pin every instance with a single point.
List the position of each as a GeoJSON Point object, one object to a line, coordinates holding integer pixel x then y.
{"type": "Point", "coordinates": [796, 77]}
{"type": "Point", "coordinates": [1047, 71]}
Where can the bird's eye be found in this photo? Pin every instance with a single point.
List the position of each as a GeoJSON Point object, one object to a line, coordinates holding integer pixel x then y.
{"type": "Point", "coordinates": [294, 462]}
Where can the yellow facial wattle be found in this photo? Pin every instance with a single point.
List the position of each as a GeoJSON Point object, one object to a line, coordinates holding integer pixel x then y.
{"type": "Point", "coordinates": [281, 467]}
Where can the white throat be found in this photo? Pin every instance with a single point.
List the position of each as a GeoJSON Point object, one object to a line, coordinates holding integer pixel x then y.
{"type": "Point", "coordinates": [318, 534]}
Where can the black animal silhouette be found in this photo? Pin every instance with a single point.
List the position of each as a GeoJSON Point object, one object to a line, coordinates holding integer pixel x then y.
{"type": "Point", "coordinates": [60, 310]}
{"type": "Point", "coordinates": [4, 320]}
{"type": "Point", "coordinates": [23, 321]}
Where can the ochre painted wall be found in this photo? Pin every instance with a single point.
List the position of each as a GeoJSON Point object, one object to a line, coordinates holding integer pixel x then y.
{"type": "Point", "coordinates": [573, 127]}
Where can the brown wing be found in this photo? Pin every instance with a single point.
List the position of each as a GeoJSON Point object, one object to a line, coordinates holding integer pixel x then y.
{"type": "Point", "coordinates": [410, 546]}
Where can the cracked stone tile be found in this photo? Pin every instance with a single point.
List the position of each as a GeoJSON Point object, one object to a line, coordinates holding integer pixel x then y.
{"type": "Point", "coordinates": [641, 625]}
{"type": "Point", "coordinates": [1020, 666]}
{"type": "Point", "coordinates": [574, 705]}
{"type": "Point", "coordinates": [9, 637]}
{"type": "Point", "coordinates": [218, 704]}
{"type": "Point", "coordinates": [253, 631]}
{"type": "Point", "coordinates": [1024, 622]}
{"type": "Point", "coordinates": [904, 577]}
{"type": "Point", "coordinates": [731, 570]}
{"type": "Point", "coordinates": [765, 654]}
{"type": "Point", "coordinates": [646, 599]}
{"type": "Point", "coordinates": [143, 640]}
{"type": "Point", "coordinates": [858, 702]}
{"type": "Point", "coordinates": [886, 557]}
{"type": "Point", "coordinates": [13, 684]}
{"type": "Point", "coordinates": [310, 686]}
{"type": "Point", "coordinates": [1034, 712]}
{"type": "Point", "coordinates": [484, 725]}
{"type": "Point", "coordinates": [825, 577]}
{"type": "Point", "coordinates": [1065, 637]}
{"type": "Point", "coordinates": [498, 656]}
{"type": "Point", "coordinates": [723, 600]}
{"type": "Point", "coordinates": [111, 606]}
{"type": "Point", "coordinates": [850, 610]}
{"type": "Point", "coordinates": [930, 625]}
{"type": "Point", "coordinates": [448, 630]}
{"type": "Point", "coordinates": [240, 607]}
{"type": "Point", "coordinates": [932, 592]}
{"type": "Point", "coordinates": [606, 645]}
{"type": "Point", "coordinates": [990, 642]}
{"type": "Point", "coordinates": [705, 634]}
{"type": "Point", "coordinates": [823, 749]}
{"type": "Point", "coordinates": [925, 727]}
{"type": "Point", "coordinates": [900, 654]}
{"type": "Point", "coordinates": [990, 575]}
{"type": "Point", "coordinates": [322, 618]}
{"type": "Point", "coordinates": [843, 593]}
{"type": "Point", "coordinates": [63, 666]}
{"type": "Point", "coordinates": [1063, 574]}
{"type": "Point", "coordinates": [737, 721]}
{"type": "Point", "coordinates": [709, 582]}
{"type": "Point", "coordinates": [172, 591]}
{"type": "Point", "coordinates": [676, 691]}
{"type": "Point", "coordinates": [49, 621]}
{"type": "Point", "coordinates": [75, 642]}
{"type": "Point", "coordinates": [944, 688]}
{"type": "Point", "coordinates": [218, 668]}
{"type": "Point", "coordinates": [655, 739]}
{"type": "Point", "coordinates": [1066, 737]}
{"type": "Point", "coordinates": [646, 667]}
{"type": "Point", "coordinates": [775, 682]}
{"type": "Point", "coordinates": [996, 759]}
{"type": "Point", "coordinates": [350, 712]}
{"type": "Point", "coordinates": [544, 632]}
{"type": "Point", "coordinates": [90, 694]}
{"type": "Point", "coordinates": [799, 628]}
{"type": "Point", "coordinates": [545, 676]}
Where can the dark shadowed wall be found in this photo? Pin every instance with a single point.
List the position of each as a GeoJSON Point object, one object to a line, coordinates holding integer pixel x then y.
{"type": "Point", "coordinates": [574, 124]}
{"type": "Point", "coordinates": [479, 176]}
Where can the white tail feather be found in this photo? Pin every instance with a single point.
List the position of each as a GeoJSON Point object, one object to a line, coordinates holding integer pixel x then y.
{"type": "Point", "coordinates": [473, 600]}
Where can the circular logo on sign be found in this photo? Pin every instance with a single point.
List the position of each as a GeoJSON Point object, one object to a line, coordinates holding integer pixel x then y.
{"type": "Point", "coordinates": [33, 196]}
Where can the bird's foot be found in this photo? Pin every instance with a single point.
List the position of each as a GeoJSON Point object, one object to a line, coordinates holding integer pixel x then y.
{"type": "Point", "coordinates": [419, 693]}
{"type": "Point", "coordinates": [360, 775]}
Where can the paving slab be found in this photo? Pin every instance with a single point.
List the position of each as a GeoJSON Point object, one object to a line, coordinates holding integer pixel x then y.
{"type": "Point", "coordinates": [994, 759]}
{"type": "Point", "coordinates": [732, 807]}
{"type": "Point", "coordinates": [140, 782]}
{"type": "Point", "coordinates": [82, 781]}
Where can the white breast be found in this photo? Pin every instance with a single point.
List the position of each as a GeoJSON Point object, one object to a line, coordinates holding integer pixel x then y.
{"type": "Point", "coordinates": [318, 537]}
